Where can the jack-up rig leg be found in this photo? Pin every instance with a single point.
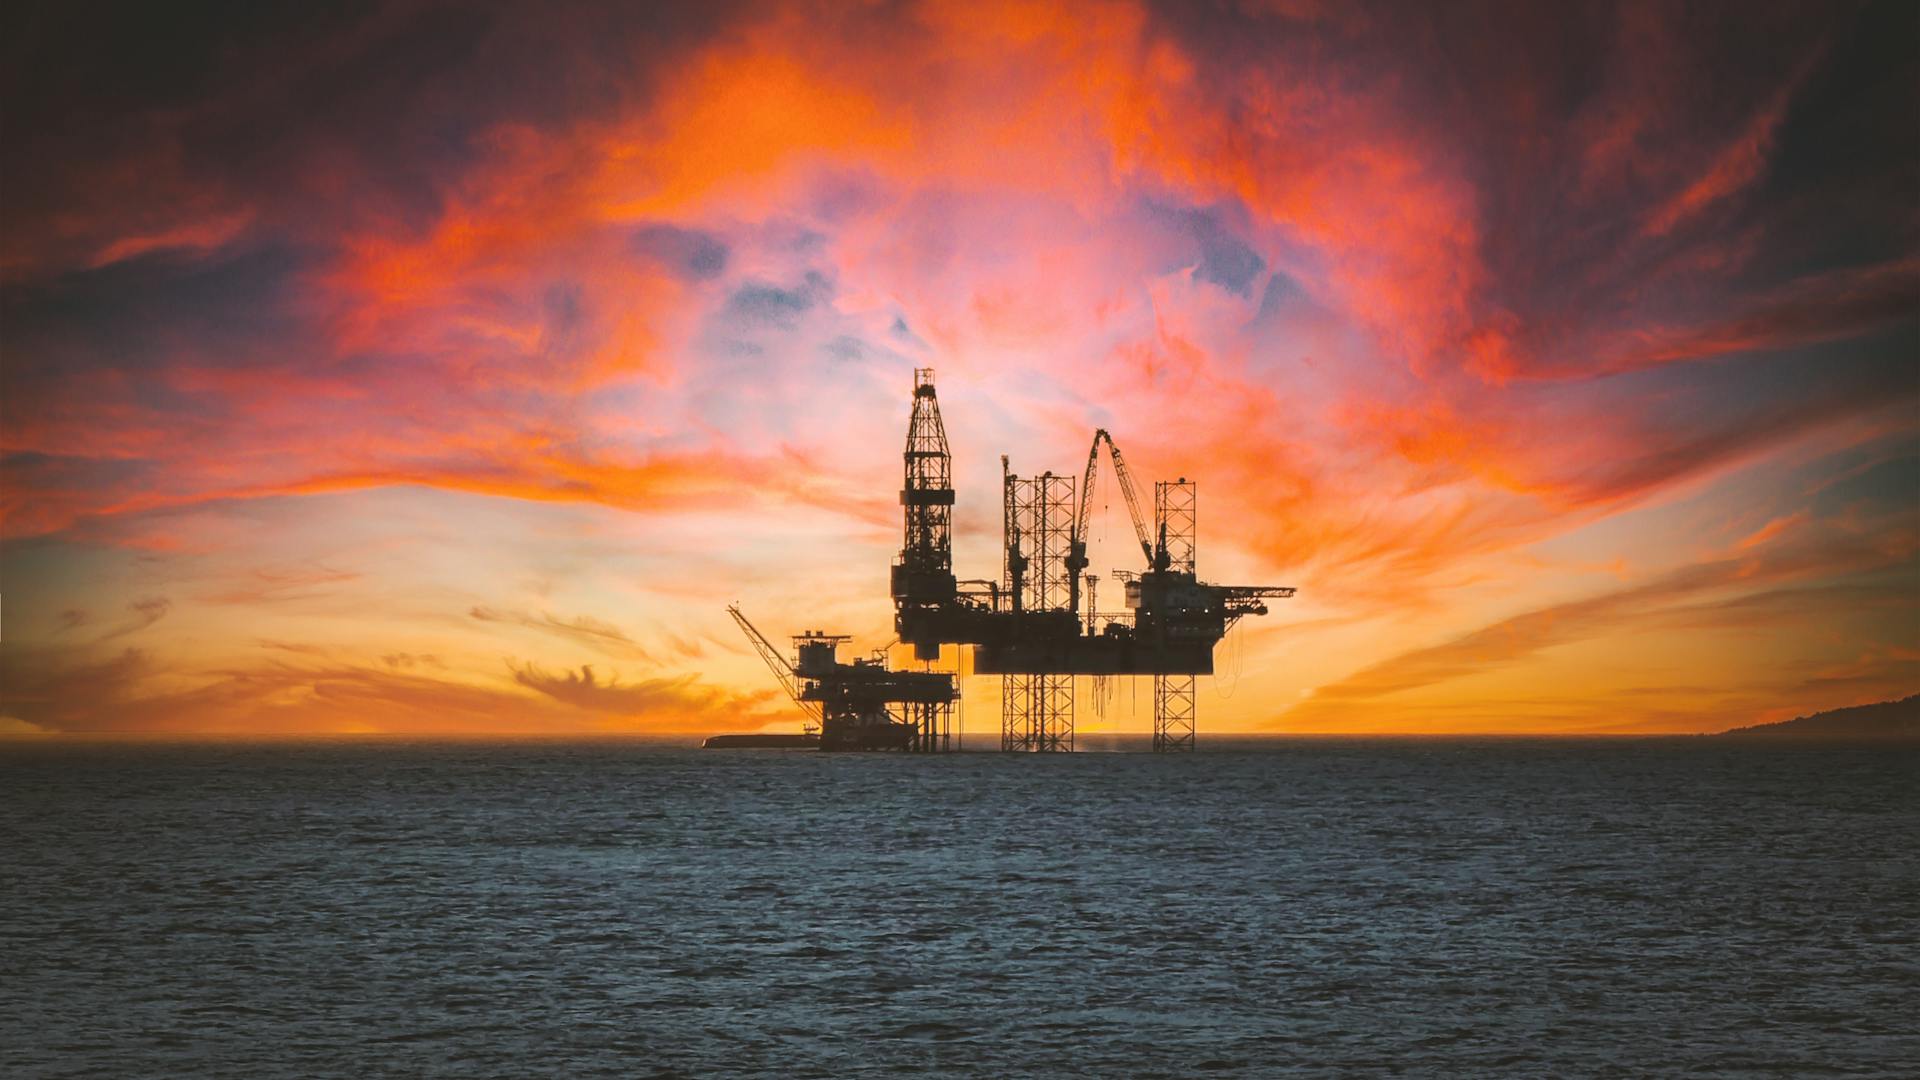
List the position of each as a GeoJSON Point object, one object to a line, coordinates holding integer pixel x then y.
{"type": "Point", "coordinates": [1053, 727]}
{"type": "Point", "coordinates": [1174, 711]}
{"type": "Point", "coordinates": [1036, 713]}
{"type": "Point", "coordinates": [1016, 712]}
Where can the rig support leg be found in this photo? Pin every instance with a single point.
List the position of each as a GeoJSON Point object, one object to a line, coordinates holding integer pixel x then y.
{"type": "Point", "coordinates": [1174, 710]}
{"type": "Point", "coordinates": [932, 726]}
{"type": "Point", "coordinates": [1016, 712]}
{"type": "Point", "coordinates": [1036, 713]}
{"type": "Point", "coordinates": [1053, 720]}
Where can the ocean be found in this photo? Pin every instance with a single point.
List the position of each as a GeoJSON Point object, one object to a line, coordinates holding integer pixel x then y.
{"type": "Point", "coordinates": [1314, 907]}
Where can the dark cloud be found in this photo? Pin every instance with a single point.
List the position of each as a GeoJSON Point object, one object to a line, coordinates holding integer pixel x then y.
{"type": "Point", "coordinates": [1836, 305]}
{"type": "Point", "coordinates": [847, 349]}
{"type": "Point", "coordinates": [1218, 256]}
{"type": "Point", "coordinates": [904, 334]}
{"type": "Point", "coordinates": [1779, 143]}
{"type": "Point", "coordinates": [691, 254]}
{"type": "Point", "coordinates": [585, 690]}
{"type": "Point", "coordinates": [1890, 482]}
{"type": "Point", "coordinates": [1702, 418]}
{"type": "Point", "coordinates": [564, 309]}
{"type": "Point", "coordinates": [1280, 292]}
{"type": "Point", "coordinates": [132, 315]}
{"type": "Point", "coordinates": [66, 689]}
{"type": "Point", "coordinates": [133, 119]}
{"type": "Point", "coordinates": [763, 305]}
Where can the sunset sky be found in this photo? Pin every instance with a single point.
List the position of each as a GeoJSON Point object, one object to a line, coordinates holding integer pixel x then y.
{"type": "Point", "coordinates": [446, 368]}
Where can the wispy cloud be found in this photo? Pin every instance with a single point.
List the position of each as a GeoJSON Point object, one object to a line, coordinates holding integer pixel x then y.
{"type": "Point", "coordinates": [141, 614]}
{"type": "Point", "coordinates": [647, 301]}
{"type": "Point", "coordinates": [581, 629]}
{"type": "Point", "coordinates": [675, 697]}
{"type": "Point", "coordinates": [1768, 582]}
{"type": "Point", "coordinates": [60, 692]}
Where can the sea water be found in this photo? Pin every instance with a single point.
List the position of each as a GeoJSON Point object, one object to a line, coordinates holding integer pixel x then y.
{"type": "Point", "coordinates": [1309, 906]}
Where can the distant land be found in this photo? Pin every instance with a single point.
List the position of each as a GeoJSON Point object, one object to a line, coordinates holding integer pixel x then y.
{"type": "Point", "coordinates": [1886, 720]}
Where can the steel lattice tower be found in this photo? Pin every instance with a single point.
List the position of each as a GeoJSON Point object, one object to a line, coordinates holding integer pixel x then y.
{"type": "Point", "coordinates": [927, 491]}
{"type": "Point", "coordinates": [1017, 693]}
{"type": "Point", "coordinates": [1174, 709]}
{"type": "Point", "coordinates": [1039, 528]}
{"type": "Point", "coordinates": [1036, 711]}
{"type": "Point", "coordinates": [923, 585]}
{"type": "Point", "coordinates": [1052, 717]}
{"type": "Point", "coordinates": [1176, 514]}
{"type": "Point", "coordinates": [1049, 584]}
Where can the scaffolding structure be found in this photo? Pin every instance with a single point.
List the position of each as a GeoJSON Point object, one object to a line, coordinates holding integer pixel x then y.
{"type": "Point", "coordinates": [926, 490]}
{"type": "Point", "coordinates": [1176, 515]}
{"type": "Point", "coordinates": [932, 724]}
{"type": "Point", "coordinates": [1039, 523]}
{"type": "Point", "coordinates": [1176, 512]}
{"type": "Point", "coordinates": [1036, 708]}
{"type": "Point", "coordinates": [1174, 712]}
{"type": "Point", "coordinates": [1036, 713]}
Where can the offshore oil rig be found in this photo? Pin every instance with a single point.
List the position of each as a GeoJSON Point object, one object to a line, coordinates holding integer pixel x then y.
{"type": "Point", "coordinates": [1028, 626]}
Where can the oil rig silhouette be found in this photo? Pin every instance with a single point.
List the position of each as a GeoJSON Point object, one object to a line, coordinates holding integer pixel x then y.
{"type": "Point", "coordinates": [1029, 626]}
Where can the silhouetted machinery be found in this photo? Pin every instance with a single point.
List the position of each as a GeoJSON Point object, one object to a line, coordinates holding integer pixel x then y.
{"type": "Point", "coordinates": [1027, 626]}
{"type": "Point", "coordinates": [862, 705]}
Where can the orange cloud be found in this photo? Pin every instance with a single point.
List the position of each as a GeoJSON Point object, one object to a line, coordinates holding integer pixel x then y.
{"type": "Point", "coordinates": [196, 235]}
{"type": "Point", "coordinates": [1409, 325]}
{"type": "Point", "coordinates": [55, 692]}
{"type": "Point", "coordinates": [1736, 165]}
{"type": "Point", "coordinates": [1764, 584]}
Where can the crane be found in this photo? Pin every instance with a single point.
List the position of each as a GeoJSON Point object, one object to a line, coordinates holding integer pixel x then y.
{"type": "Point", "coordinates": [1077, 543]}
{"type": "Point", "coordinates": [782, 670]}
{"type": "Point", "coordinates": [1241, 600]}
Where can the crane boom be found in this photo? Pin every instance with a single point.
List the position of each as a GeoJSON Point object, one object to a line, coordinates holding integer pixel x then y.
{"type": "Point", "coordinates": [1085, 515]}
{"type": "Point", "coordinates": [1077, 542]}
{"type": "Point", "coordinates": [1084, 518]}
{"type": "Point", "coordinates": [1133, 497]}
{"type": "Point", "coordinates": [1241, 600]}
{"type": "Point", "coordinates": [782, 670]}
{"type": "Point", "coordinates": [1250, 592]}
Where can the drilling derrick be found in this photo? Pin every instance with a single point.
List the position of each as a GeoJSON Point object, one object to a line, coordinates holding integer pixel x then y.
{"type": "Point", "coordinates": [1028, 626]}
{"type": "Point", "coordinates": [923, 584]}
{"type": "Point", "coordinates": [1025, 626]}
